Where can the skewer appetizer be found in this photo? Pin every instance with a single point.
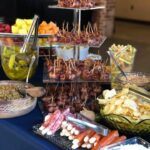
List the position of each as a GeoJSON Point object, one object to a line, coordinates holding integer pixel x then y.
{"type": "Point", "coordinates": [90, 35]}
{"type": "Point", "coordinates": [73, 97]}
{"type": "Point", "coordinates": [72, 69]}
{"type": "Point", "coordinates": [76, 3]}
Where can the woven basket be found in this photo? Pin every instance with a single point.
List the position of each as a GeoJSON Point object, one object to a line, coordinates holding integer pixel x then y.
{"type": "Point", "coordinates": [16, 107]}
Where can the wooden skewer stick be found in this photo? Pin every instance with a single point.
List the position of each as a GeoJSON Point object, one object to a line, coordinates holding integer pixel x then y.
{"type": "Point", "coordinates": [88, 27]}
{"type": "Point", "coordinates": [63, 27]}
{"type": "Point", "coordinates": [54, 66]}
{"type": "Point", "coordinates": [67, 27]}
{"type": "Point", "coordinates": [91, 29]}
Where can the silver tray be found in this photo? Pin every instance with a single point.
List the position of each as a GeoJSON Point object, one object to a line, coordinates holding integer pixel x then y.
{"type": "Point", "coordinates": [101, 42]}
{"type": "Point", "coordinates": [12, 35]}
{"type": "Point", "coordinates": [17, 107]}
{"type": "Point", "coordinates": [49, 44]}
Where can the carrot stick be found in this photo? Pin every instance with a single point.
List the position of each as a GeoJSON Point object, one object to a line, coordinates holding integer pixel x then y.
{"type": "Point", "coordinates": [79, 138]}
{"type": "Point", "coordinates": [95, 147]}
{"type": "Point", "coordinates": [106, 140]}
{"type": "Point", "coordinates": [119, 139]}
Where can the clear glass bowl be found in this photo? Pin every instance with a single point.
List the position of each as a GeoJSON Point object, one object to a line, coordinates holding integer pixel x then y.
{"type": "Point", "coordinates": [124, 125]}
{"type": "Point", "coordinates": [134, 140]}
{"type": "Point", "coordinates": [137, 78]}
{"type": "Point", "coordinates": [16, 64]}
{"type": "Point", "coordinates": [125, 57]}
{"type": "Point", "coordinates": [119, 112]}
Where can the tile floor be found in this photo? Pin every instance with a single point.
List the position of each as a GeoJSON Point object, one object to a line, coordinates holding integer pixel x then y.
{"type": "Point", "coordinates": [132, 31]}
{"type": "Point", "coordinates": [137, 35]}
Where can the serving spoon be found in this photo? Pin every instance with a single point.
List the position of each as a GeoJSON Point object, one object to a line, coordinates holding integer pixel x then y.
{"type": "Point", "coordinates": [33, 91]}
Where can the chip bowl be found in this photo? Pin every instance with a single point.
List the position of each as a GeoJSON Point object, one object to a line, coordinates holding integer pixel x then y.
{"type": "Point", "coordinates": [124, 125]}
{"type": "Point", "coordinates": [128, 111]}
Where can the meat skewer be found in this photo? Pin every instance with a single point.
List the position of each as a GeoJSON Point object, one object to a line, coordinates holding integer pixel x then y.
{"type": "Point", "coordinates": [70, 97]}
{"type": "Point", "coordinates": [90, 35]}
{"type": "Point", "coordinates": [76, 3]}
{"type": "Point", "coordinates": [80, 138]}
{"type": "Point", "coordinates": [71, 69]}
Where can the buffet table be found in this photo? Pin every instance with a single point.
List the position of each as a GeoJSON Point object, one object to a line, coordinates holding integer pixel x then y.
{"type": "Point", "coordinates": [16, 133]}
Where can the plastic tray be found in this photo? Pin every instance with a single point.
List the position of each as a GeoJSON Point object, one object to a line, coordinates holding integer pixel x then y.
{"type": "Point", "coordinates": [56, 139]}
{"type": "Point", "coordinates": [46, 79]}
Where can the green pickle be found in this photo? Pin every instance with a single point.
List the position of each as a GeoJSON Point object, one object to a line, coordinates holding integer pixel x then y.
{"type": "Point", "coordinates": [11, 61]}
{"type": "Point", "coordinates": [16, 64]}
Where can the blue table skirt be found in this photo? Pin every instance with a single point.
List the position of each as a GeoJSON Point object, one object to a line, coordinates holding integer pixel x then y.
{"type": "Point", "coordinates": [16, 133]}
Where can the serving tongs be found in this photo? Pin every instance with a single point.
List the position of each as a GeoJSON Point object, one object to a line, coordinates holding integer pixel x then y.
{"type": "Point", "coordinates": [116, 63]}
{"type": "Point", "coordinates": [140, 92]}
{"type": "Point", "coordinates": [96, 127]}
{"type": "Point", "coordinates": [32, 91]}
{"type": "Point", "coordinates": [27, 39]}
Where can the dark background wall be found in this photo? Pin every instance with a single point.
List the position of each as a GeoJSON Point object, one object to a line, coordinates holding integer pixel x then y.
{"type": "Point", "coordinates": [12, 9]}
{"type": "Point", "coordinates": [8, 10]}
